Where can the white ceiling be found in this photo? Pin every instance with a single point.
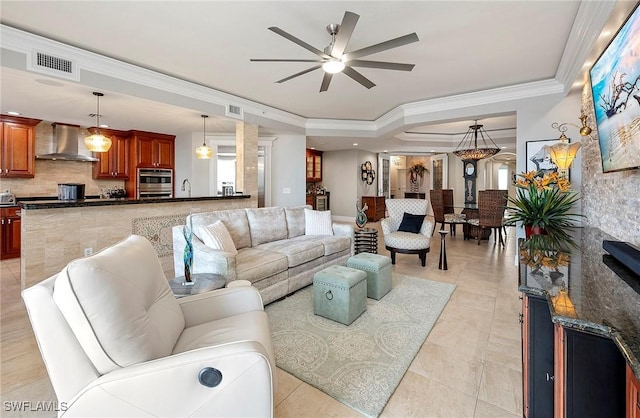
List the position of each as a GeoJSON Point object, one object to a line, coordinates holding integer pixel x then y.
{"type": "Point", "coordinates": [465, 46]}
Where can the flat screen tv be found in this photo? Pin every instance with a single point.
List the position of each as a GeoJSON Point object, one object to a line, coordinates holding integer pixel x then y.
{"type": "Point", "coordinates": [615, 85]}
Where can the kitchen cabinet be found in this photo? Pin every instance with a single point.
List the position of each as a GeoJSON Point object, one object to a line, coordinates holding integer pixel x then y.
{"type": "Point", "coordinates": [10, 224]}
{"type": "Point", "coordinates": [376, 207]}
{"type": "Point", "coordinates": [113, 164]}
{"type": "Point", "coordinates": [633, 395]}
{"type": "Point", "coordinates": [537, 357]}
{"type": "Point", "coordinates": [17, 146]}
{"type": "Point", "coordinates": [314, 165]}
{"type": "Point", "coordinates": [152, 150]}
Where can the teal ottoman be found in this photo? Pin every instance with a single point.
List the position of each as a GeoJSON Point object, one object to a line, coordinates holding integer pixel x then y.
{"type": "Point", "coordinates": [378, 269]}
{"type": "Point", "coordinates": [340, 293]}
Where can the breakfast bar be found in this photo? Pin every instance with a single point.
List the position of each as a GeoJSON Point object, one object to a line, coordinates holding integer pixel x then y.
{"type": "Point", "coordinates": [55, 232]}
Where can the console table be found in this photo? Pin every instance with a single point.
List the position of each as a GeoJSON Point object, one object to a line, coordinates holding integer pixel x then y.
{"type": "Point", "coordinates": [580, 327]}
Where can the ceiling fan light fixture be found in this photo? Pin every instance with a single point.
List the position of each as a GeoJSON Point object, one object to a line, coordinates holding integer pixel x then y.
{"type": "Point", "coordinates": [204, 152]}
{"type": "Point", "coordinates": [333, 66]}
{"type": "Point", "coordinates": [97, 142]}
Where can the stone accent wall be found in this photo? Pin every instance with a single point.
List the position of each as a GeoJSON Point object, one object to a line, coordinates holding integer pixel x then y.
{"type": "Point", "coordinates": [611, 201]}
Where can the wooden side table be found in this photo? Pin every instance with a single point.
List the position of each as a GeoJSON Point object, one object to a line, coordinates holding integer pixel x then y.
{"type": "Point", "coordinates": [366, 240]}
{"type": "Point", "coordinates": [202, 282]}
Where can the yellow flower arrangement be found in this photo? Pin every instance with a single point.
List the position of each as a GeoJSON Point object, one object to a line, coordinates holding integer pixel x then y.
{"type": "Point", "coordinates": [544, 201]}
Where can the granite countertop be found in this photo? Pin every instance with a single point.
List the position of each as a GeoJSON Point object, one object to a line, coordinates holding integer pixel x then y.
{"type": "Point", "coordinates": [54, 203]}
{"type": "Point", "coordinates": [604, 293]}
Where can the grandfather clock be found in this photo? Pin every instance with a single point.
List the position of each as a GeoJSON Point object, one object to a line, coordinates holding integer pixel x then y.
{"type": "Point", "coordinates": [469, 174]}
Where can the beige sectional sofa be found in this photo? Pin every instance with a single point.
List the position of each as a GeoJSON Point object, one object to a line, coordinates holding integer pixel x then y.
{"type": "Point", "coordinates": [274, 253]}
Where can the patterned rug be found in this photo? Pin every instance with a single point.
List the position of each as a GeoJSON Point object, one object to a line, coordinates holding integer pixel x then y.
{"type": "Point", "coordinates": [361, 364]}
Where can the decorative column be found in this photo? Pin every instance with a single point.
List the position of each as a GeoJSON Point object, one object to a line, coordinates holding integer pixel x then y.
{"type": "Point", "coordinates": [247, 160]}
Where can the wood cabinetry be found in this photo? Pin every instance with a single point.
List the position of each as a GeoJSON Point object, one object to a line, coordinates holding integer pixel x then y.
{"type": "Point", "coordinates": [113, 164]}
{"type": "Point", "coordinates": [589, 375]}
{"type": "Point", "coordinates": [17, 146]}
{"type": "Point", "coordinates": [633, 395]}
{"type": "Point", "coordinates": [376, 207]}
{"type": "Point", "coordinates": [318, 201]}
{"type": "Point", "coordinates": [314, 165]}
{"type": "Point", "coordinates": [152, 150]}
{"type": "Point", "coordinates": [10, 232]}
{"type": "Point", "coordinates": [537, 357]}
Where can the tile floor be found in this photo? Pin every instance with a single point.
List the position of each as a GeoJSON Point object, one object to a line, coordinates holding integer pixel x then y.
{"type": "Point", "coordinates": [469, 365]}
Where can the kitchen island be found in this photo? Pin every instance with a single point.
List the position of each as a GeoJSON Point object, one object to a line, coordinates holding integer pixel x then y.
{"type": "Point", "coordinates": [55, 232]}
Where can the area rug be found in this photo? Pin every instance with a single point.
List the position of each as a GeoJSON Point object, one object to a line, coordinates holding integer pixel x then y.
{"type": "Point", "coordinates": [361, 364]}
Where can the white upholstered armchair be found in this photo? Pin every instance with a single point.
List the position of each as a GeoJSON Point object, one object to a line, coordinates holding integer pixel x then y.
{"type": "Point", "coordinates": [116, 342]}
{"type": "Point", "coordinates": [406, 242]}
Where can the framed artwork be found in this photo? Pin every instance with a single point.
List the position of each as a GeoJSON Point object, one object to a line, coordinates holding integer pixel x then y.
{"type": "Point", "coordinates": [538, 158]}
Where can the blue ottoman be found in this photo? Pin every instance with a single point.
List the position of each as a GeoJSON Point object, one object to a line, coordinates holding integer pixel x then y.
{"type": "Point", "coordinates": [378, 269]}
{"type": "Point", "coordinates": [340, 293]}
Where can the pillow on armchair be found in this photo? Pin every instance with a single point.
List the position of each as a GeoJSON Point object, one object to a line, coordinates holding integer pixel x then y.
{"type": "Point", "coordinates": [411, 223]}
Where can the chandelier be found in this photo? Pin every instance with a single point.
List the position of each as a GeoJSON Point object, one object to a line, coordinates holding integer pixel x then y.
{"type": "Point", "coordinates": [468, 148]}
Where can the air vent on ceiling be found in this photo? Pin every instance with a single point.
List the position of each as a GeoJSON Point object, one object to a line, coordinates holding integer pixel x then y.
{"type": "Point", "coordinates": [234, 112]}
{"type": "Point", "coordinates": [53, 65]}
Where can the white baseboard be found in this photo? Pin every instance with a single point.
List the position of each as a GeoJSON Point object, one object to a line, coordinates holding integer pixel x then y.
{"type": "Point", "coordinates": [343, 218]}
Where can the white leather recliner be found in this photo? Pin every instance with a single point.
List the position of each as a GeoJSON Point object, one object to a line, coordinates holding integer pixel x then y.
{"type": "Point", "coordinates": [116, 342]}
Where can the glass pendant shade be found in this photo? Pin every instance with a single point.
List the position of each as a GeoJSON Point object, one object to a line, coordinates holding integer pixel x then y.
{"type": "Point", "coordinates": [562, 154]}
{"type": "Point", "coordinates": [204, 152]}
{"type": "Point", "coordinates": [563, 305]}
{"type": "Point", "coordinates": [468, 148]}
{"type": "Point", "coordinates": [97, 142]}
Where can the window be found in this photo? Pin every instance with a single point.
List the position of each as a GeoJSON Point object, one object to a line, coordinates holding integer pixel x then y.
{"type": "Point", "coordinates": [503, 178]}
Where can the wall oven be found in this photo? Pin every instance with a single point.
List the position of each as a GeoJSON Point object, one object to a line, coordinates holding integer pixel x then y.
{"type": "Point", "coordinates": [155, 183]}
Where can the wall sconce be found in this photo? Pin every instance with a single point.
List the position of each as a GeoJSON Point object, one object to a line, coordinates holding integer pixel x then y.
{"type": "Point", "coordinates": [563, 153]}
{"type": "Point", "coordinates": [563, 305]}
{"type": "Point", "coordinates": [367, 173]}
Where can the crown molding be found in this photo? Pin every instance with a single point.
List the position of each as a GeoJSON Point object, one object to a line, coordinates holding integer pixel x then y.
{"type": "Point", "coordinates": [586, 28]}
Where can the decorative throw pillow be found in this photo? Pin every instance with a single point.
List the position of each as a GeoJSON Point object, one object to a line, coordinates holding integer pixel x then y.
{"type": "Point", "coordinates": [411, 223]}
{"type": "Point", "coordinates": [217, 236]}
{"type": "Point", "coordinates": [317, 222]}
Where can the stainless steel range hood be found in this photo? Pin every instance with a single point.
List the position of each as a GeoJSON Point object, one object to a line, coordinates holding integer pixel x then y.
{"type": "Point", "coordinates": [65, 138]}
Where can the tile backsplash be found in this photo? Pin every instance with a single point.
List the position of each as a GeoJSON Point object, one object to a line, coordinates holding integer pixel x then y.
{"type": "Point", "coordinates": [49, 173]}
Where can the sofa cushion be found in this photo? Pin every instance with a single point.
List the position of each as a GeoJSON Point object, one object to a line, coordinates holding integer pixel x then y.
{"type": "Point", "coordinates": [406, 240]}
{"type": "Point", "coordinates": [266, 225]}
{"type": "Point", "coordinates": [254, 264]}
{"type": "Point", "coordinates": [317, 222]}
{"type": "Point", "coordinates": [217, 236]}
{"type": "Point", "coordinates": [332, 243]}
{"type": "Point", "coordinates": [234, 220]}
{"type": "Point", "coordinates": [295, 220]}
{"type": "Point", "coordinates": [119, 305]}
{"type": "Point", "coordinates": [297, 251]}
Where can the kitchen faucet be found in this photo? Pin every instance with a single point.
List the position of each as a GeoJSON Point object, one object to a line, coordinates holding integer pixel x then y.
{"type": "Point", "coordinates": [184, 183]}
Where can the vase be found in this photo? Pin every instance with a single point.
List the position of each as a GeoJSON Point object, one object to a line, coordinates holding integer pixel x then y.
{"type": "Point", "coordinates": [530, 230]}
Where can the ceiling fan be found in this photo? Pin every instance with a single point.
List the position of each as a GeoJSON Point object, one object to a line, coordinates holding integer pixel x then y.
{"type": "Point", "coordinates": [334, 59]}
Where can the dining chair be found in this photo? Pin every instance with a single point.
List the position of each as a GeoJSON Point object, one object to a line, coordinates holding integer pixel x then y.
{"type": "Point", "coordinates": [491, 207]}
{"type": "Point", "coordinates": [443, 210]}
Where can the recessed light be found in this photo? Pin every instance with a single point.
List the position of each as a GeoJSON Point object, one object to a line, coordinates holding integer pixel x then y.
{"type": "Point", "coordinates": [355, 144]}
{"type": "Point", "coordinates": [14, 113]}
{"type": "Point", "coordinates": [503, 147]}
{"type": "Point", "coordinates": [432, 150]}
{"type": "Point", "coordinates": [102, 125]}
{"type": "Point", "coordinates": [313, 147]}
{"type": "Point", "coordinates": [385, 150]}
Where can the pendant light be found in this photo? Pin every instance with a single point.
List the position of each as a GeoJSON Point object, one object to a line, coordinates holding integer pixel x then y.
{"type": "Point", "coordinates": [468, 148]}
{"type": "Point", "coordinates": [97, 142]}
{"type": "Point", "coordinates": [204, 152]}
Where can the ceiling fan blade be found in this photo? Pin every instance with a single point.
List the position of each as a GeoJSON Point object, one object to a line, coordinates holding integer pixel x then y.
{"type": "Point", "coordinates": [383, 46]}
{"type": "Point", "coordinates": [325, 82]}
{"type": "Point", "coordinates": [299, 42]}
{"type": "Point", "coordinates": [344, 33]}
{"type": "Point", "coordinates": [358, 77]}
{"type": "Point", "coordinates": [281, 60]}
{"type": "Point", "coordinates": [382, 65]}
{"type": "Point", "coordinates": [308, 70]}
